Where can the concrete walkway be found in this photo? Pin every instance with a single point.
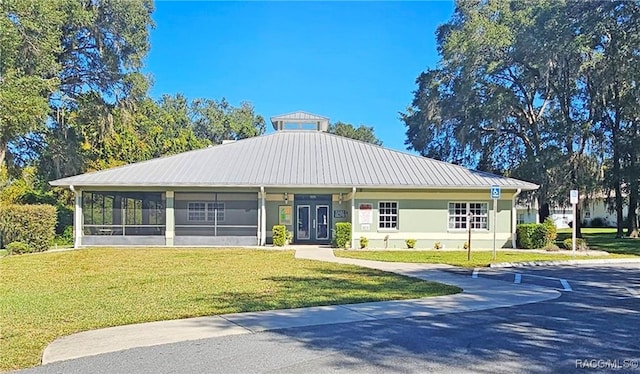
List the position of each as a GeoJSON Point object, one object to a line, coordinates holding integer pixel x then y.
{"type": "Point", "coordinates": [478, 294]}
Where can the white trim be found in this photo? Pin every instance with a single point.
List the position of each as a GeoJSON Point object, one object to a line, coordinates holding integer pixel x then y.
{"type": "Point", "coordinates": [263, 217]}
{"type": "Point", "coordinates": [170, 218]}
{"type": "Point", "coordinates": [396, 214]}
{"type": "Point", "coordinates": [78, 221]}
{"type": "Point", "coordinates": [353, 217]}
{"type": "Point", "coordinates": [467, 209]}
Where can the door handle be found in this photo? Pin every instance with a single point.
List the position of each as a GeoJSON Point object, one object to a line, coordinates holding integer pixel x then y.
{"type": "Point", "coordinates": [314, 223]}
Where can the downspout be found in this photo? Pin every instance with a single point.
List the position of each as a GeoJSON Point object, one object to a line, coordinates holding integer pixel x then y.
{"type": "Point", "coordinates": [353, 217]}
{"type": "Point", "coordinates": [77, 218]}
{"type": "Point", "coordinates": [263, 217]}
{"type": "Point", "coordinates": [514, 218]}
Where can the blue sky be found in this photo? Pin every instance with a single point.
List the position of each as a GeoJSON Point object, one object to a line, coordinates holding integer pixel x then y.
{"type": "Point", "coordinates": [354, 62]}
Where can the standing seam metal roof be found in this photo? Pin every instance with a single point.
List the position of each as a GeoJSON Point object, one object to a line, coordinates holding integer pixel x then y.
{"type": "Point", "coordinates": [295, 159]}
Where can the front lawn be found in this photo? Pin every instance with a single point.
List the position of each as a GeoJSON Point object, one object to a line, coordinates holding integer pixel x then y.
{"type": "Point", "coordinates": [49, 295]}
{"type": "Point", "coordinates": [604, 239]}
{"type": "Point", "coordinates": [459, 258]}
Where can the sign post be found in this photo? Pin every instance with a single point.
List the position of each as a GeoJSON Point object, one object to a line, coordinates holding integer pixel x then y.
{"type": "Point", "coordinates": [495, 195]}
{"type": "Point", "coordinates": [573, 199]}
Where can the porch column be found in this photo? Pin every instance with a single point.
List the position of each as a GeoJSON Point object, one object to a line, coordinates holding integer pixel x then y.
{"type": "Point", "coordinates": [263, 217]}
{"type": "Point", "coordinates": [78, 222]}
{"type": "Point", "coordinates": [169, 231]}
{"type": "Point", "coordinates": [353, 217]}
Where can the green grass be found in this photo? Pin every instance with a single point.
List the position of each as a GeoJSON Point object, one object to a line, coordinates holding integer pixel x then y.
{"type": "Point", "coordinates": [605, 239]}
{"type": "Point", "coordinates": [458, 258]}
{"type": "Point", "coordinates": [3, 252]}
{"type": "Point", "coordinates": [46, 296]}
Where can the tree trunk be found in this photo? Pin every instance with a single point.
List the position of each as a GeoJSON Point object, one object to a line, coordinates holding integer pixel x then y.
{"type": "Point", "coordinates": [616, 175]}
{"type": "Point", "coordinates": [632, 217]}
{"type": "Point", "coordinates": [578, 222]}
{"type": "Point", "coordinates": [3, 152]}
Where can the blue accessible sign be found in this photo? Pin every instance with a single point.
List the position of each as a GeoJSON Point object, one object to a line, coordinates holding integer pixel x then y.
{"type": "Point", "coordinates": [495, 192]}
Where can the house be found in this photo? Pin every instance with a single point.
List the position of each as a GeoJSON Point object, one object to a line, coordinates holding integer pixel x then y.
{"type": "Point", "coordinates": [594, 212]}
{"type": "Point", "coordinates": [299, 176]}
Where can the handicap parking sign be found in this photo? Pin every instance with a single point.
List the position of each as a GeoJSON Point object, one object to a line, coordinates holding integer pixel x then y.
{"type": "Point", "coordinates": [495, 192]}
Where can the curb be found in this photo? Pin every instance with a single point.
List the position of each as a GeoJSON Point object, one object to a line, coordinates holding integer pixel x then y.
{"type": "Point", "coordinates": [565, 262]}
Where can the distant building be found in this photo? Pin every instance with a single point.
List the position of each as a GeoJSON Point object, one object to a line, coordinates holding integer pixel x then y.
{"type": "Point", "coordinates": [301, 177]}
{"type": "Point", "coordinates": [595, 212]}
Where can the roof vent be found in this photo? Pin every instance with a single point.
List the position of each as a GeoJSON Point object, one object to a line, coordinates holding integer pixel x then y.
{"type": "Point", "coordinates": [300, 121]}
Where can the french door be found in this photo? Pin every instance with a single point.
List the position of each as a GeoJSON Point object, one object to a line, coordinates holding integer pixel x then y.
{"type": "Point", "coordinates": [313, 219]}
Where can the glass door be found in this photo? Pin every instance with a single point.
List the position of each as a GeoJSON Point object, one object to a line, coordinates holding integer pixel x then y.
{"type": "Point", "coordinates": [322, 222]}
{"type": "Point", "coordinates": [302, 226]}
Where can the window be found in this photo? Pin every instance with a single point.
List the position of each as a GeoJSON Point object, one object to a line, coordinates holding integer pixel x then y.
{"type": "Point", "coordinates": [196, 211]}
{"type": "Point", "coordinates": [215, 209]}
{"type": "Point", "coordinates": [458, 216]}
{"type": "Point", "coordinates": [210, 212]}
{"type": "Point", "coordinates": [520, 218]}
{"type": "Point", "coordinates": [388, 215]}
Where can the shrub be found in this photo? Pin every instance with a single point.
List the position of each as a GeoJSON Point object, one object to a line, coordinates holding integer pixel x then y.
{"type": "Point", "coordinates": [437, 245]}
{"type": "Point", "coordinates": [524, 235]}
{"type": "Point", "coordinates": [30, 224]}
{"type": "Point", "coordinates": [536, 235]}
{"type": "Point", "coordinates": [598, 222]}
{"type": "Point", "coordinates": [66, 238]}
{"type": "Point", "coordinates": [16, 248]}
{"type": "Point", "coordinates": [363, 242]}
{"type": "Point", "coordinates": [343, 234]}
{"type": "Point", "coordinates": [411, 243]}
{"type": "Point", "coordinates": [279, 235]}
{"type": "Point", "coordinates": [581, 244]}
{"type": "Point", "coordinates": [548, 232]}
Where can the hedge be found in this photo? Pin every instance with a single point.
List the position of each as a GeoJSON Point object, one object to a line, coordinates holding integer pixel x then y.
{"type": "Point", "coordinates": [33, 225]}
{"type": "Point", "coordinates": [343, 234]}
{"type": "Point", "coordinates": [536, 235]}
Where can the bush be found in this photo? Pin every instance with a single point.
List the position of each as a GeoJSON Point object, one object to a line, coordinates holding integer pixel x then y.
{"type": "Point", "coordinates": [30, 224]}
{"type": "Point", "coordinates": [536, 235]}
{"type": "Point", "coordinates": [16, 248]}
{"type": "Point", "coordinates": [343, 234]}
{"type": "Point", "coordinates": [411, 243]}
{"type": "Point", "coordinates": [363, 242]}
{"type": "Point", "coordinates": [581, 244]}
{"type": "Point", "coordinates": [598, 222]}
{"type": "Point", "coordinates": [437, 245]}
{"type": "Point", "coordinates": [279, 235]}
{"type": "Point", "coordinates": [524, 235]}
{"type": "Point", "coordinates": [66, 238]}
{"type": "Point", "coordinates": [548, 232]}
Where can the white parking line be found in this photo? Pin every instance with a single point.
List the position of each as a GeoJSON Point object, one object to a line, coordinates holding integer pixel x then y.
{"type": "Point", "coordinates": [565, 285]}
{"type": "Point", "coordinates": [518, 278]}
{"type": "Point", "coordinates": [475, 273]}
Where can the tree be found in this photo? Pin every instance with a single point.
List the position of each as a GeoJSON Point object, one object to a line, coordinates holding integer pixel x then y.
{"type": "Point", "coordinates": [29, 42]}
{"type": "Point", "coordinates": [219, 121]}
{"type": "Point", "coordinates": [514, 94]}
{"type": "Point", "coordinates": [362, 133]}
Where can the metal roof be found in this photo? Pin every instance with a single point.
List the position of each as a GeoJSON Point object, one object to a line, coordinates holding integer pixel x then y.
{"type": "Point", "coordinates": [295, 159]}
